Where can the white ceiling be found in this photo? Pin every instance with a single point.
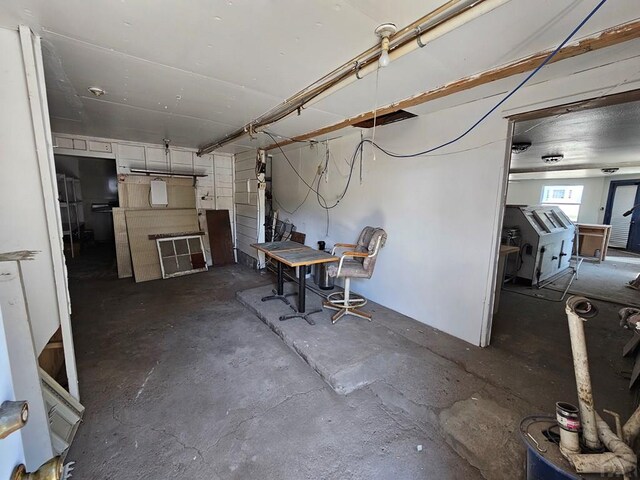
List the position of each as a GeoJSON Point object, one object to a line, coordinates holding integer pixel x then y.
{"type": "Point", "coordinates": [195, 71]}
{"type": "Point", "coordinates": [581, 173]}
{"type": "Point", "coordinates": [600, 136]}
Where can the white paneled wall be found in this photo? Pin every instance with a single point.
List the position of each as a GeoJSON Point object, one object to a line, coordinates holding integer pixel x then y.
{"type": "Point", "coordinates": [214, 191]}
{"type": "Point", "coordinates": [248, 215]}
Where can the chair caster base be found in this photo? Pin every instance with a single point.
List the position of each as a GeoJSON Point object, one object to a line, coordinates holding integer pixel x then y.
{"type": "Point", "coordinates": [341, 312]}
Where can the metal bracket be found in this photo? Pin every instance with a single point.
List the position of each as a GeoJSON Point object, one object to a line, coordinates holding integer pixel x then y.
{"type": "Point", "coordinates": [418, 39]}
{"type": "Point", "coordinates": [358, 66]}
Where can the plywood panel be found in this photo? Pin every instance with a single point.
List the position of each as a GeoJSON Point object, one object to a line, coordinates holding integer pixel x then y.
{"type": "Point", "coordinates": [219, 230]}
{"type": "Point", "coordinates": [142, 223]}
{"type": "Point", "coordinates": [123, 254]}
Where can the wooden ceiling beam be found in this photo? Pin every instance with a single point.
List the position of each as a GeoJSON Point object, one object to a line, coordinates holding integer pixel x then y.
{"type": "Point", "coordinates": [607, 38]}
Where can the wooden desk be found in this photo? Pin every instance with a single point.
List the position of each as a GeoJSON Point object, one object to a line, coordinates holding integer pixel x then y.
{"type": "Point", "coordinates": [593, 240]}
{"type": "Point", "coordinates": [269, 247]}
{"type": "Point", "coordinates": [295, 255]}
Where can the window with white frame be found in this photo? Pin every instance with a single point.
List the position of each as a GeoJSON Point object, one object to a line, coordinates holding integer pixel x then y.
{"type": "Point", "coordinates": [567, 197]}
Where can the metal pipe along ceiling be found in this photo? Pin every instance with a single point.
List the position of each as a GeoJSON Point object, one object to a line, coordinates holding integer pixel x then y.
{"type": "Point", "coordinates": [447, 17]}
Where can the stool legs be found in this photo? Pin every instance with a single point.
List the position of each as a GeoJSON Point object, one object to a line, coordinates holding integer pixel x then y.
{"type": "Point", "coordinates": [349, 304]}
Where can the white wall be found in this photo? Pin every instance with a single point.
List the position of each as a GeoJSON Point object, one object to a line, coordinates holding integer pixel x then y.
{"type": "Point", "coordinates": [23, 208]}
{"type": "Point", "coordinates": [442, 213]}
{"type": "Point", "coordinates": [439, 214]}
{"type": "Point", "coordinates": [594, 196]}
{"type": "Point", "coordinates": [528, 192]}
{"type": "Point", "coordinates": [248, 213]}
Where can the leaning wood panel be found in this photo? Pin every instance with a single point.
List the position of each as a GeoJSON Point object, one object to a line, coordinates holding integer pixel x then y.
{"type": "Point", "coordinates": [141, 224]}
{"type": "Point", "coordinates": [220, 239]}
{"type": "Point", "coordinates": [123, 254]}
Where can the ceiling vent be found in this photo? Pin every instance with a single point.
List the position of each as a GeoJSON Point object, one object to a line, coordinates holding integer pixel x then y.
{"type": "Point", "coordinates": [519, 147]}
{"type": "Point", "coordinates": [552, 158]}
{"type": "Point", "coordinates": [393, 117]}
{"type": "Point", "coordinates": [609, 171]}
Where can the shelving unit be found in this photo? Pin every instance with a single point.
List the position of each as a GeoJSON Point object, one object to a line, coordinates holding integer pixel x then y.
{"type": "Point", "coordinates": [71, 208]}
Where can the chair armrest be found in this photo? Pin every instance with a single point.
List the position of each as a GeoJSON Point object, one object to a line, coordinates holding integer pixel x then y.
{"type": "Point", "coordinates": [342, 245]}
{"type": "Point", "coordinates": [355, 254]}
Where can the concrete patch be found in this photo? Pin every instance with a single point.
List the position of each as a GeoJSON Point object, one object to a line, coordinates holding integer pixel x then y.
{"type": "Point", "coordinates": [485, 434]}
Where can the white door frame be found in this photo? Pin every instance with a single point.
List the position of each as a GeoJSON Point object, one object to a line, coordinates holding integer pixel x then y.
{"type": "Point", "coordinates": [34, 71]}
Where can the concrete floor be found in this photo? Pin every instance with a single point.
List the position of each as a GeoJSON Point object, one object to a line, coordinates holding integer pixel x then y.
{"type": "Point", "coordinates": [606, 280]}
{"type": "Point", "coordinates": [182, 381]}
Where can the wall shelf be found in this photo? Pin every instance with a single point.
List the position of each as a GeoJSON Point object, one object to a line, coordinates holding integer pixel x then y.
{"type": "Point", "coordinates": [71, 207]}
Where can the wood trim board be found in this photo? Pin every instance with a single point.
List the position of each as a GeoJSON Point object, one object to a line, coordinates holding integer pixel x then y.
{"type": "Point", "coordinates": [123, 252]}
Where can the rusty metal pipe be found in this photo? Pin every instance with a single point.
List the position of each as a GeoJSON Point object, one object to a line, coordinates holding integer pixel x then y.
{"type": "Point", "coordinates": [577, 309]}
{"type": "Point", "coordinates": [13, 416]}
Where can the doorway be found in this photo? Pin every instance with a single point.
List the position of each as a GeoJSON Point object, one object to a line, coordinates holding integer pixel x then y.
{"type": "Point", "coordinates": [574, 172]}
{"type": "Point", "coordinates": [619, 213]}
{"type": "Point", "coordinates": [88, 191]}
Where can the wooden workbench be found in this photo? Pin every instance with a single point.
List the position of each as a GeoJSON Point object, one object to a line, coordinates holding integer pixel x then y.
{"type": "Point", "coordinates": [593, 240]}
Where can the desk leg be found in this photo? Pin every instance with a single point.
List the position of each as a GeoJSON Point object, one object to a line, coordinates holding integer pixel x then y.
{"type": "Point", "coordinates": [280, 285]}
{"type": "Point", "coordinates": [278, 293]}
{"type": "Point", "coordinates": [302, 288]}
{"type": "Point", "coordinates": [302, 313]}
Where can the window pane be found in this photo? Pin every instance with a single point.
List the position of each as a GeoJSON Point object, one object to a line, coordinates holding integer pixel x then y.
{"type": "Point", "coordinates": [562, 194]}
